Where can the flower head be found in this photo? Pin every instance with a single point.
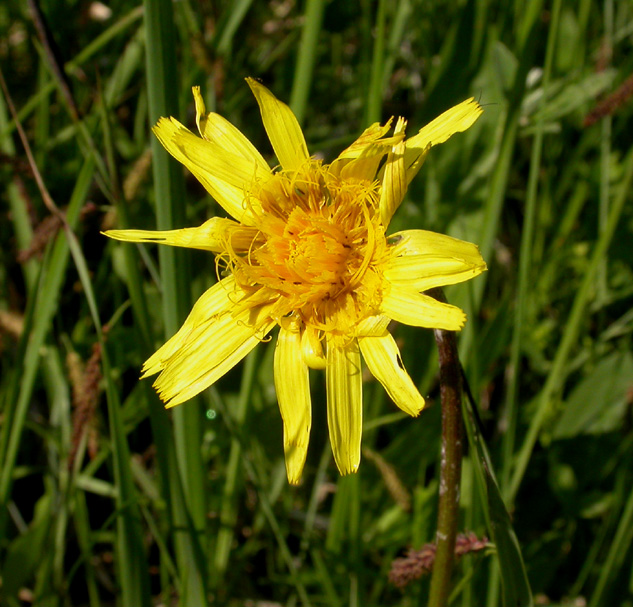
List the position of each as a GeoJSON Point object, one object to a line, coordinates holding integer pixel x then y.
{"type": "Point", "coordinates": [307, 250]}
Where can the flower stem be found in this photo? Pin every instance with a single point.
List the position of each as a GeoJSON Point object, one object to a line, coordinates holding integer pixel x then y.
{"type": "Point", "coordinates": [451, 464]}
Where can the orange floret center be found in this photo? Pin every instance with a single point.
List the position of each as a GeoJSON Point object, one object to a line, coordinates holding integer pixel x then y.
{"type": "Point", "coordinates": [318, 248]}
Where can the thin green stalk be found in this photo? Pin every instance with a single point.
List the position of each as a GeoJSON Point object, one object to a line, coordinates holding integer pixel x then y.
{"type": "Point", "coordinates": [492, 213]}
{"type": "Point", "coordinates": [525, 266]}
{"type": "Point", "coordinates": [172, 486]}
{"type": "Point", "coordinates": [88, 51]}
{"type": "Point", "coordinates": [619, 548]}
{"type": "Point", "coordinates": [325, 574]}
{"type": "Point", "coordinates": [307, 58]}
{"type": "Point", "coordinates": [58, 394]}
{"type": "Point", "coordinates": [84, 140]}
{"type": "Point", "coordinates": [42, 306]}
{"type": "Point", "coordinates": [279, 537]}
{"type": "Point", "coordinates": [556, 377]}
{"type": "Point", "coordinates": [498, 183]}
{"type": "Point", "coordinates": [131, 558]}
{"type": "Point", "coordinates": [605, 160]}
{"type": "Point", "coordinates": [86, 544]}
{"type": "Point", "coordinates": [256, 478]}
{"type": "Point", "coordinates": [451, 463]}
{"type": "Point", "coordinates": [374, 94]}
{"type": "Point", "coordinates": [237, 11]}
{"type": "Point", "coordinates": [313, 504]}
{"type": "Point", "coordinates": [601, 539]}
{"type": "Point", "coordinates": [170, 194]}
{"type": "Point", "coordinates": [134, 582]}
{"type": "Point", "coordinates": [19, 211]}
{"type": "Point", "coordinates": [228, 508]}
{"type": "Point", "coordinates": [397, 30]}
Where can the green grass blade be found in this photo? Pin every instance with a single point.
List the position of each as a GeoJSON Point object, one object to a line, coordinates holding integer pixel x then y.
{"type": "Point", "coordinates": [307, 58]}
{"type": "Point", "coordinates": [25, 552]}
{"type": "Point", "coordinates": [170, 194]}
{"type": "Point", "coordinates": [131, 558]}
{"type": "Point", "coordinates": [374, 94]}
{"type": "Point", "coordinates": [81, 58]}
{"type": "Point", "coordinates": [556, 377]}
{"type": "Point", "coordinates": [228, 507]}
{"type": "Point", "coordinates": [256, 477]}
{"type": "Point", "coordinates": [236, 13]}
{"type": "Point", "coordinates": [516, 587]}
{"type": "Point", "coordinates": [45, 300]}
{"type": "Point", "coordinates": [525, 266]}
{"type": "Point", "coordinates": [17, 204]}
{"type": "Point", "coordinates": [616, 557]}
{"type": "Point", "coordinates": [499, 180]}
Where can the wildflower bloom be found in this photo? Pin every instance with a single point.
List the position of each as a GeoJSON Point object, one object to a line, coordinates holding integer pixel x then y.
{"type": "Point", "coordinates": [307, 251]}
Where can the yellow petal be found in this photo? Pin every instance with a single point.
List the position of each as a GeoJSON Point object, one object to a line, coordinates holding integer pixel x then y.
{"type": "Point", "coordinates": [362, 159]}
{"type": "Point", "coordinates": [457, 119]}
{"type": "Point", "coordinates": [282, 127]}
{"type": "Point", "coordinates": [213, 303]}
{"type": "Point", "coordinates": [372, 326]}
{"type": "Point", "coordinates": [224, 175]}
{"type": "Point", "coordinates": [293, 394]}
{"type": "Point", "coordinates": [365, 167]}
{"type": "Point", "coordinates": [383, 360]}
{"type": "Point", "coordinates": [419, 310]}
{"type": "Point", "coordinates": [311, 349]}
{"type": "Point", "coordinates": [421, 260]}
{"type": "Point", "coordinates": [369, 138]}
{"type": "Point", "coordinates": [344, 403]}
{"type": "Point", "coordinates": [208, 237]}
{"type": "Point", "coordinates": [209, 351]}
{"type": "Point", "coordinates": [394, 181]}
{"type": "Point", "coordinates": [413, 160]}
{"type": "Point", "coordinates": [214, 127]}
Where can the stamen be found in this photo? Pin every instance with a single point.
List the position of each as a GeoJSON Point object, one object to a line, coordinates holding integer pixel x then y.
{"type": "Point", "coordinates": [316, 249]}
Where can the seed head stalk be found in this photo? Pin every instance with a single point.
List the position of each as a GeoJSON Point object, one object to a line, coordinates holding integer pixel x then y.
{"type": "Point", "coordinates": [451, 463]}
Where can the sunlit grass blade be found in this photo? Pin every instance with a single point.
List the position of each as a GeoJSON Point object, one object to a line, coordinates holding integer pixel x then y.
{"type": "Point", "coordinates": [525, 267]}
{"type": "Point", "coordinates": [171, 481]}
{"type": "Point", "coordinates": [306, 58]}
{"type": "Point", "coordinates": [174, 268]}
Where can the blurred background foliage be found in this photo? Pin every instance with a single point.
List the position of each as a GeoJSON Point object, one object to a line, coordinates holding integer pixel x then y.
{"type": "Point", "coordinates": [106, 498]}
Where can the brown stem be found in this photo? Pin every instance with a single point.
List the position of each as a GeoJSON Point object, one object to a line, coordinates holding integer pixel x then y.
{"type": "Point", "coordinates": [451, 464]}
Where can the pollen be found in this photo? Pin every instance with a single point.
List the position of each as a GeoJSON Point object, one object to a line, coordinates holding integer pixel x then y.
{"type": "Point", "coordinates": [319, 246]}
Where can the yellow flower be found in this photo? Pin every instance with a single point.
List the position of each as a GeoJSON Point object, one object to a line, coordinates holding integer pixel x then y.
{"type": "Point", "coordinates": [307, 251]}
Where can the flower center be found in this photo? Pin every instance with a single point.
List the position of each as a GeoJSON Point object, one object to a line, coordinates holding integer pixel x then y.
{"type": "Point", "coordinates": [319, 247]}
{"type": "Point", "coordinates": [310, 257]}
